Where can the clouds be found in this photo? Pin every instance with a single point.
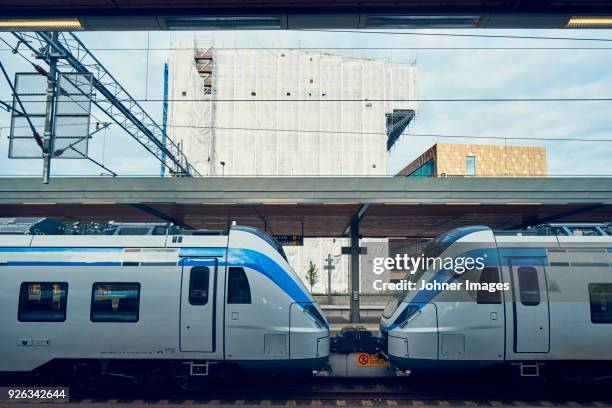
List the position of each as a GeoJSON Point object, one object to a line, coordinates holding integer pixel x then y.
{"type": "Point", "coordinates": [442, 74]}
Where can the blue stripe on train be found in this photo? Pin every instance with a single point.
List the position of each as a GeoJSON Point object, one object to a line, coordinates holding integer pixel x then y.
{"type": "Point", "coordinates": [237, 257]}
{"type": "Point", "coordinates": [257, 261]}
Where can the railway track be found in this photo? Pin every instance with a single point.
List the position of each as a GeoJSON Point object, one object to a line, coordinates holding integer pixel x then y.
{"type": "Point", "coordinates": [390, 392]}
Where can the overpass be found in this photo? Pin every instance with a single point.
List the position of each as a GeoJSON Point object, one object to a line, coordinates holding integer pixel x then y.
{"type": "Point", "coordinates": [309, 14]}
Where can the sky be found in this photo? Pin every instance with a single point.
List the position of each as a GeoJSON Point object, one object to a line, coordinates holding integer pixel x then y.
{"type": "Point", "coordinates": [442, 74]}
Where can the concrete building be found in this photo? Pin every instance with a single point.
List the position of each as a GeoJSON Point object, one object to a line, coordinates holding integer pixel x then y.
{"type": "Point", "coordinates": [462, 160]}
{"type": "Point", "coordinates": [261, 112]}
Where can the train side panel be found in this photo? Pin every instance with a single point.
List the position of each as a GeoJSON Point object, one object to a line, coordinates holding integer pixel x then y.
{"type": "Point", "coordinates": [153, 334]}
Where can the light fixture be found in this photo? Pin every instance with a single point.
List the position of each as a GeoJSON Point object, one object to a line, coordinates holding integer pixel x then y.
{"type": "Point", "coordinates": [589, 22]}
{"type": "Point", "coordinates": [64, 24]}
{"type": "Point", "coordinates": [422, 21]}
{"type": "Point", "coordinates": [223, 22]}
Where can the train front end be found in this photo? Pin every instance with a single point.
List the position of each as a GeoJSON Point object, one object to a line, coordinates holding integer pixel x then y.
{"type": "Point", "coordinates": [283, 328]}
{"type": "Point", "coordinates": [426, 325]}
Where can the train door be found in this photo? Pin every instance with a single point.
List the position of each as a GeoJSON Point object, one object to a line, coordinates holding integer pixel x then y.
{"type": "Point", "coordinates": [245, 321]}
{"type": "Point", "coordinates": [198, 289]}
{"type": "Point", "coordinates": [530, 304]}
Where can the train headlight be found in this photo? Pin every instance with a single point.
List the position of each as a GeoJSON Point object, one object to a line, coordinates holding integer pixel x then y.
{"type": "Point", "coordinates": [407, 314]}
{"type": "Point", "coordinates": [313, 315]}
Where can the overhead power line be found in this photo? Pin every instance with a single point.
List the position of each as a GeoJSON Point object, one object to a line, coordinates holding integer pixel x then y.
{"type": "Point", "coordinates": [419, 48]}
{"type": "Point", "coordinates": [556, 139]}
{"type": "Point", "coordinates": [449, 100]}
{"type": "Point", "coordinates": [346, 132]}
{"type": "Point", "coordinates": [498, 36]}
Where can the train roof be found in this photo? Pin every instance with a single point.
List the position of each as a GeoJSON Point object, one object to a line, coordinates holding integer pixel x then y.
{"type": "Point", "coordinates": [110, 241]}
{"type": "Point", "coordinates": [563, 229]}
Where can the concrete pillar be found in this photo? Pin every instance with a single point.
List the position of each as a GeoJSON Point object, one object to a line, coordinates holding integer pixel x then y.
{"type": "Point", "coordinates": [354, 268]}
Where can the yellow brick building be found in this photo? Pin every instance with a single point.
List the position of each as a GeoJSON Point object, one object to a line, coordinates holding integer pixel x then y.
{"type": "Point", "coordinates": [465, 160]}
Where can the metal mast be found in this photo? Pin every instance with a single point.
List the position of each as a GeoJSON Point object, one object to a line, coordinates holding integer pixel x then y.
{"type": "Point", "coordinates": [111, 97]}
{"type": "Point", "coordinates": [164, 120]}
{"type": "Point", "coordinates": [49, 133]}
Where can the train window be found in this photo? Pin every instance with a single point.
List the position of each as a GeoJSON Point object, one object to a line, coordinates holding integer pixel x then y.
{"type": "Point", "coordinates": [529, 286]}
{"type": "Point", "coordinates": [600, 296]}
{"type": "Point", "coordinates": [115, 302]}
{"type": "Point", "coordinates": [160, 230]}
{"type": "Point", "coordinates": [42, 302]}
{"type": "Point", "coordinates": [490, 276]}
{"type": "Point", "coordinates": [133, 231]}
{"type": "Point", "coordinates": [198, 285]}
{"type": "Point", "coordinates": [238, 290]}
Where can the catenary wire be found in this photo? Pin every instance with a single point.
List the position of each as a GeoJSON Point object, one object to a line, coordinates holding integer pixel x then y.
{"type": "Point", "coordinates": [349, 48]}
{"type": "Point", "coordinates": [445, 100]}
{"type": "Point", "coordinates": [429, 34]}
{"type": "Point", "coordinates": [340, 132]}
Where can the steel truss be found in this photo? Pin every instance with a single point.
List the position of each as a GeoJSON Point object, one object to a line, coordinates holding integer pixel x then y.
{"type": "Point", "coordinates": [110, 97]}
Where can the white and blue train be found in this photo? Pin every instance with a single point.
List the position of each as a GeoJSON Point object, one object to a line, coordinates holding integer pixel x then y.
{"type": "Point", "coordinates": [194, 303]}
{"type": "Point", "coordinates": [554, 307]}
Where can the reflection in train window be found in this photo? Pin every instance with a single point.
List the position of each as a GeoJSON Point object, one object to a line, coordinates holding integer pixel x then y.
{"type": "Point", "coordinates": [600, 296]}
{"type": "Point", "coordinates": [529, 286]}
{"type": "Point", "coordinates": [238, 290]}
{"type": "Point", "coordinates": [490, 276]}
{"type": "Point", "coordinates": [115, 302]}
{"type": "Point", "coordinates": [198, 285]}
{"type": "Point", "coordinates": [42, 302]}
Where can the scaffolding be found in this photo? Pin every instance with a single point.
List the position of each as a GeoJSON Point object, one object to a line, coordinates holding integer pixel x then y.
{"type": "Point", "coordinates": [203, 55]}
{"type": "Point", "coordinates": [288, 112]}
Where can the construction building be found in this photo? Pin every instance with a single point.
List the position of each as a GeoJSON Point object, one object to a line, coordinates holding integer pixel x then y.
{"type": "Point", "coordinates": [465, 160]}
{"type": "Point", "coordinates": [287, 112]}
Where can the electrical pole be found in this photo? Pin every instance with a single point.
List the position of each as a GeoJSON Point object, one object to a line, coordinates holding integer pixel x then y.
{"type": "Point", "coordinates": [329, 267]}
{"type": "Point", "coordinates": [164, 121]}
{"type": "Point", "coordinates": [49, 134]}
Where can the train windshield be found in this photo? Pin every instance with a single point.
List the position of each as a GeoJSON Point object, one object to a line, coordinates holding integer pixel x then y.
{"type": "Point", "coordinates": [266, 237]}
{"type": "Point", "coordinates": [432, 250]}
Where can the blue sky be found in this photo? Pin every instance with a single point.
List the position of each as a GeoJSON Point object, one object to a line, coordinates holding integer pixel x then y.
{"type": "Point", "coordinates": [442, 74]}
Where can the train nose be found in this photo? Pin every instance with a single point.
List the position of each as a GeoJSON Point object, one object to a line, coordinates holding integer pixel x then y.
{"type": "Point", "coordinates": [414, 333]}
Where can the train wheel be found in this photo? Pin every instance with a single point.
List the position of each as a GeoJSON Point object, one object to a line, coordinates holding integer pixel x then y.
{"type": "Point", "coordinates": [89, 375]}
{"type": "Point", "coordinates": [185, 381]}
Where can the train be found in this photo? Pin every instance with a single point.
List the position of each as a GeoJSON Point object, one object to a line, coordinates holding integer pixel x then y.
{"type": "Point", "coordinates": [553, 309]}
{"type": "Point", "coordinates": [186, 305]}
{"type": "Point", "coordinates": [148, 301]}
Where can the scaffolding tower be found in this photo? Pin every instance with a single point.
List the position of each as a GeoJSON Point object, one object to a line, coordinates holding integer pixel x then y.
{"type": "Point", "coordinates": [203, 55]}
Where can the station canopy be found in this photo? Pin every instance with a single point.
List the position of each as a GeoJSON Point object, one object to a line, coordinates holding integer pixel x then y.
{"type": "Point", "coordinates": [389, 207]}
